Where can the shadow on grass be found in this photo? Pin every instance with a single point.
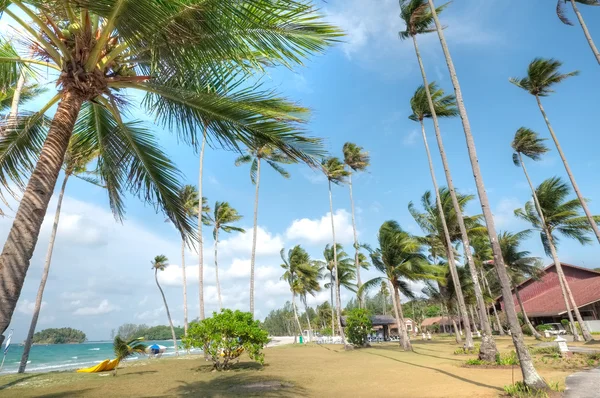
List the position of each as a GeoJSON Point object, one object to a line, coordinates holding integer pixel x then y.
{"type": "Point", "coordinates": [139, 372]}
{"type": "Point", "coordinates": [240, 385]}
{"type": "Point", "coordinates": [395, 349]}
{"type": "Point", "coordinates": [78, 393]}
{"type": "Point", "coordinates": [476, 383]}
{"type": "Point", "coordinates": [18, 381]}
{"type": "Point", "coordinates": [236, 367]}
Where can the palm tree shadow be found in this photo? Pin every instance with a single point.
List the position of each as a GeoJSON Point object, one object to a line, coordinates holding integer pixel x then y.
{"type": "Point", "coordinates": [240, 385]}
{"type": "Point", "coordinates": [442, 372]}
{"type": "Point", "coordinates": [394, 349]}
{"type": "Point", "coordinates": [18, 381]}
{"type": "Point", "coordinates": [236, 367]}
{"type": "Point", "coordinates": [140, 372]}
{"type": "Point", "coordinates": [79, 393]}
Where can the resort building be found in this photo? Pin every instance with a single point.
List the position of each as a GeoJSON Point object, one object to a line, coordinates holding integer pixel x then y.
{"type": "Point", "coordinates": [384, 326]}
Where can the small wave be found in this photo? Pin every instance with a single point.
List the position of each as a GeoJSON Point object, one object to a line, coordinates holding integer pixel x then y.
{"type": "Point", "coordinates": [73, 357]}
{"type": "Point", "coordinates": [94, 349]}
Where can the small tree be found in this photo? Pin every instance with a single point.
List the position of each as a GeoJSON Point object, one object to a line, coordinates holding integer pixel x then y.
{"type": "Point", "coordinates": [124, 349]}
{"type": "Point", "coordinates": [227, 335]}
{"type": "Point", "coordinates": [358, 327]}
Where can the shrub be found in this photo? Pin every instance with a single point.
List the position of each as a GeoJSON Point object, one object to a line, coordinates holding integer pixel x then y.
{"type": "Point", "coordinates": [463, 351]}
{"type": "Point", "coordinates": [358, 326]}
{"type": "Point", "coordinates": [225, 336]}
{"type": "Point", "coordinates": [519, 389]}
{"type": "Point", "coordinates": [541, 328]}
{"type": "Point", "coordinates": [550, 350]}
{"type": "Point", "coordinates": [506, 359]}
{"type": "Point", "coordinates": [475, 361]}
{"type": "Point", "coordinates": [326, 331]}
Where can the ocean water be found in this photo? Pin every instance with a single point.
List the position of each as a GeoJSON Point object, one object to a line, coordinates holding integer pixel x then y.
{"type": "Point", "coordinates": [56, 357]}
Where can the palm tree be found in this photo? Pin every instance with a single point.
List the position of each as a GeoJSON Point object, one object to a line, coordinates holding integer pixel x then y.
{"type": "Point", "coordinates": [400, 259]}
{"type": "Point", "coordinates": [558, 216]}
{"type": "Point", "coordinates": [308, 283]}
{"type": "Point", "coordinates": [482, 255]}
{"type": "Point", "coordinates": [223, 215]}
{"type": "Point", "coordinates": [521, 265]}
{"type": "Point", "coordinates": [200, 224]}
{"type": "Point", "coordinates": [78, 156]}
{"type": "Point", "coordinates": [357, 160]}
{"type": "Point", "coordinates": [530, 376]}
{"type": "Point", "coordinates": [385, 292]}
{"type": "Point", "coordinates": [542, 75]}
{"type": "Point", "coordinates": [336, 173]}
{"type": "Point", "coordinates": [419, 20]}
{"type": "Point", "coordinates": [124, 349]}
{"type": "Point", "coordinates": [159, 263]}
{"type": "Point", "coordinates": [271, 155]}
{"type": "Point", "coordinates": [560, 11]}
{"type": "Point", "coordinates": [328, 267]}
{"type": "Point", "coordinates": [189, 77]}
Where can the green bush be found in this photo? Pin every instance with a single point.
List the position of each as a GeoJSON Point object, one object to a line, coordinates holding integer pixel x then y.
{"type": "Point", "coordinates": [326, 331]}
{"type": "Point", "coordinates": [520, 390]}
{"type": "Point", "coordinates": [505, 359]}
{"type": "Point", "coordinates": [225, 336]}
{"type": "Point", "coordinates": [541, 328]}
{"type": "Point", "coordinates": [475, 361]}
{"type": "Point", "coordinates": [463, 351]}
{"type": "Point", "coordinates": [358, 327]}
{"type": "Point", "coordinates": [550, 350]}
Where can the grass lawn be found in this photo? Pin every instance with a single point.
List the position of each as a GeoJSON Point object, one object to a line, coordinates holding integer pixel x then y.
{"type": "Point", "coordinates": [300, 370]}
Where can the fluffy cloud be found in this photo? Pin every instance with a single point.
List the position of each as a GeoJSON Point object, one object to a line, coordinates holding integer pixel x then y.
{"type": "Point", "coordinates": [239, 243]}
{"type": "Point", "coordinates": [104, 307]}
{"type": "Point", "coordinates": [318, 231]}
{"type": "Point", "coordinates": [27, 307]}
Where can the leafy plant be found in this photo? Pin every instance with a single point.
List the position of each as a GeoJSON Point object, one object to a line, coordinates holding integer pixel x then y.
{"type": "Point", "coordinates": [358, 327]}
{"type": "Point", "coordinates": [475, 361]}
{"type": "Point", "coordinates": [226, 335]}
{"type": "Point", "coordinates": [519, 389]}
{"type": "Point", "coordinates": [507, 359]}
{"type": "Point", "coordinates": [125, 349]}
{"type": "Point", "coordinates": [466, 351]}
{"type": "Point", "coordinates": [542, 327]}
{"type": "Point", "coordinates": [550, 350]}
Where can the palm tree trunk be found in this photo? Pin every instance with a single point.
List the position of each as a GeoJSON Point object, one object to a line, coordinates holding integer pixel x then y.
{"type": "Point", "coordinates": [456, 332]}
{"type": "Point", "coordinates": [584, 205]}
{"type": "Point", "coordinates": [308, 320]}
{"type": "Point", "coordinates": [40, 293]}
{"type": "Point", "coordinates": [488, 350]}
{"type": "Point", "coordinates": [296, 312]}
{"type": "Point", "coordinates": [473, 318]}
{"type": "Point", "coordinates": [253, 255]}
{"type": "Point", "coordinates": [185, 306]}
{"type": "Point", "coordinates": [168, 313]}
{"type": "Point", "coordinates": [16, 99]}
{"type": "Point", "coordinates": [384, 302]}
{"type": "Point", "coordinates": [498, 323]}
{"type": "Point", "coordinates": [200, 239]}
{"type": "Point", "coordinates": [356, 262]}
{"type": "Point", "coordinates": [23, 235]}
{"type": "Point", "coordinates": [338, 301]}
{"type": "Point", "coordinates": [586, 32]}
{"type": "Point", "coordinates": [332, 305]}
{"type": "Point", "coordinates": [525, 317]}
{"type": "Point", "coordinates": [447, 243]}
{"type": "Point", "coordinates": [400, 324]}
{"type": "Point", "coordinates": [531, 377]}
{"type": "Point", "coordinates": [564, 285]}
{"type": "Point", "coordinates": [217, 270]}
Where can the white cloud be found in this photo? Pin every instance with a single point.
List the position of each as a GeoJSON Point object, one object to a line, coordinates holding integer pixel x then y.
{"type": "Point", "coordinates": [27, 307]}
{"type": "Point", "coordinates": [313, 176]}
{"type": "Point", "coordinates": [318, 231]}
{"type": "Point", "coordinates": [410, 139]}
{"type": "Point", "coordinates": [240, 243]}
{"type": "Point", "coordinates": [104, 307]}
{"type": "Point", "coordinates": [504, 214]}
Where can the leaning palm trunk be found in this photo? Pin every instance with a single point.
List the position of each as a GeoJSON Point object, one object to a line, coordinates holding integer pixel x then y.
{"type": "Point", "coordinates": [308, 321]}
{"type": "Point", "coordinates": [487, 285]}
{"type": "Point", "coordinates": [400, 324]}
{"type": "Point", "coordinates": [14, 106]}
{"type": "Point", "coordinates": [525, 317]}
{"type": "Point", "coordinates": [217, 271]}
{"type": "Point", "coordinates": [564, 285]}
{"type": "Point", "coordinates": [488, 350]}
{"type": "Point", "coordinates": [253, 255]}
{"type": "Point", "coordinates": [185, 306]}
{"type": "Point", "coordinates": [531, 377]}
{"type": "Point", "coordinates": [40, 293]}
{"type": "Point", "coordinates": [168, 313]}
{"type": "Point", "coordinates": [332, 305]}
{"type": "Point", "coordinates": [296, 312]}
{"type": "Point", "coordinates": [200, 240]}
{"type": "Point", "coordinates": [456, 331]}
{"type": "Point", "coordinates": [356, 261]}
{"type": "Point", "coordinates": [586, 32]}
{"type": "Point", "coordinates": [473, 318]}
{"type": "Point", "coordinates": [23, 235]}
{"type": "Point", "coordinates": [338, 301]}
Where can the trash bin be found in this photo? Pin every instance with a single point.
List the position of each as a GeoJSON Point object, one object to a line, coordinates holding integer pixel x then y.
{"type": "Point", "coordinates": [301, 340]}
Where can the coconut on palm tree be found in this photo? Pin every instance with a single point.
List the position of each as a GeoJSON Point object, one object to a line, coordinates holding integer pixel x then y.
{"type": "Point", "coordinates": [337, 174]}
{"type": "Point", "coordinates": [194, 61]}
{"type": "Point", "coordinates": [559, 215]}
{"type": "Point", "coordinates": [562, 15]}
{"type": "Point", "coordinates": [357, 160]}
{"type": "Point", "coordinates": [531, 378]}
{"type": "Point", "coordinates": [273, 157]}
{"type": "Point", "coordinates": [159, 263]}
{"type": "Point", "coordinates": [223, 216]}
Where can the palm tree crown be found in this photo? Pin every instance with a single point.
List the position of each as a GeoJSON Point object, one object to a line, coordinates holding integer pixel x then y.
{"type": "Point", "coordinates": [528, 143]}
{"type": "Point", "coordinates": [224, 215]}
{"type": "Point", "coordinates": [520, 263]}
{"type": "Point", "coordinates": [445, 105]}
{"type": "Point", "coordinates": [417, 17]}
{"type": "Point", "coordinates": [160, 262]}
{"type": "Point", "coordinates": [355, 157]}
{"type": "Point", "coordinates": [561, 12]}
{"type": "Point", "coordinates": [266, 152]}
{"type": "Point", "coordinates": [334, 170]}
{"type": "Point", "coordinates": [542, 74]}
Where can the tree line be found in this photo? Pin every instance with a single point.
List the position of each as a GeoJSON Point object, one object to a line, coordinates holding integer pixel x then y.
{"type": "Point", "coordinates": [59, 336]}
{"type": "Point", "coordinates": [131, 331]}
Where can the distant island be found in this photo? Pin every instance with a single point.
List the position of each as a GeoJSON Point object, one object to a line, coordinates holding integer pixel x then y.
{"type": "Point", "coordinates": [59, 336]}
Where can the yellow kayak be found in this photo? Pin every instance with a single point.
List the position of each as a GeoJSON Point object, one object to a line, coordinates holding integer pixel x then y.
{"type": "Point", "coordinates": [103, 366]}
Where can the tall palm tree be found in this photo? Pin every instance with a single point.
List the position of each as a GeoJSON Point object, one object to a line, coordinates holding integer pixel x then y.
{"type": "Point", "coordinates": [559, 216]}
{"type": "Point", "coordinates": [482, 255]}
{"type": "Point", "coordinates": [299, 274]}
{"type": "Point", "coordinates": [384, 291]}
{"type": "Point", "coordinates": [159, 263]}
{"type": "Point", "coordinates": [273, 157]}
{"type": "Point", "coordinates": [419, 20]}
{"type": "Point", "coordinates": [328, 268]}
{"type": "Point", "coordinates": [400, 259]}
{"type": "Point", "coordinates": [542, 75]}
{"type": "Point", "coordinates": [223, 216]}
{"type": "Point", "coordinates": [560, 11]}
{"type": "Point", "coordinates": [77, 158]}
{"type": "Point", "coordinates": [337, 174]}
{"type": "Point", "coordinates": [163, 50]}
{"type": "Point", "coordinates": [357, 160]}
{"type": "Point", "coordinates": [308, 283]}
{"type": "Point", "coordinates": [530, 376]}
{"type": "Point", "coordinates": [200, 224]}
{"type": "Point", "coordinates": [521, 265]}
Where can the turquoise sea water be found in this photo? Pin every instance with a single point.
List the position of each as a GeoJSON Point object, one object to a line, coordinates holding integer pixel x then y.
{"type": "Point", "coordinates": [54, 357]}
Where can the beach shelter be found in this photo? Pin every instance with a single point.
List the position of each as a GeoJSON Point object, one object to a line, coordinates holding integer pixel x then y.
{"type": "Point", "coordinates": [156, 349]}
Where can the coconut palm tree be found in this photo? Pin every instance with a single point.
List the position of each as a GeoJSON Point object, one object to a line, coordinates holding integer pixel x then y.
{"type": "Point", "coordinates": [328, 268]}
{"type": "Point", "coordinates": [336, 173]}
{"type": "Point", "coordinates": [273, 157]}
{"type": "Point", "coordinates": [223, 216]}
{"type": "Point", "coordinates": [193, 60]}
{"type": "Point", "coordinates": [482, 255]}
{"type": "Point", "coordinates": [561, 12]}
{"type": "Point", "coordinates": [384, 291]}
{"type": "Point", "coordinates": [200, 224]}
{"type": "Point", "coordinates": [530, 376]}
{"type": "Point", "coordinates": [124, 349]}
{"type": "Point", "coordinates": [400, 259]}
{"type": "Point", "coordinates": [559, 216]}
{"type": "Point", "coordinates": [298, 266]}
{"type": "Point", "coordinates": [419, 20]}
{"type": "Point", "coordinates": [159, 263]}
{"type": "Point", "coordinates": [542, 75]}
{"type": "Point", "coordinates": [521, 265]}
{"type": "Point", "coordinates": [357, 160]}
{"type": "Point", "coordinates": [308, 283]}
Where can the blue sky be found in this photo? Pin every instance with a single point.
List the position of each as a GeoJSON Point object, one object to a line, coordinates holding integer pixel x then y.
{"type": "Point", "coordinates": [359, 91]}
